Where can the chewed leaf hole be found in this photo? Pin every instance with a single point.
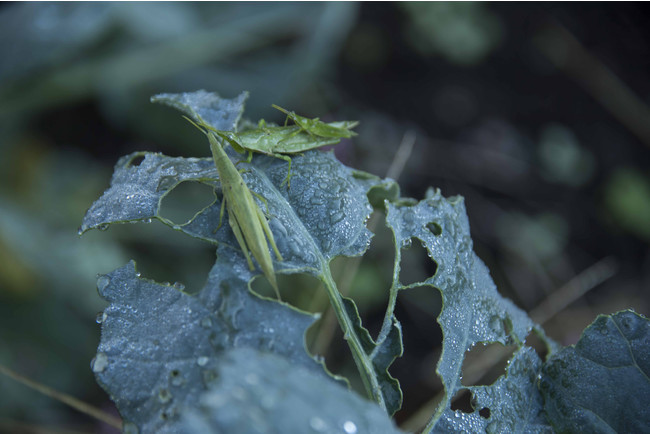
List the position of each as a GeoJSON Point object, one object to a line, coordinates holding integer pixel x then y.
{"type": "Point", "coordinates": [136, 161]}
{"type": "Point", "coordinates": [415, 265]}
{"type": "Point", "coordinates": [484, 364]}
{"type": "Point", "coordinates": [462, 401]}
{"type": "Point", "coordinates": [534, 341]}
{"type": "Point", "coordinates": [484, 412]}
{"type": "Point", "coordinates": [417, 309]}
{"type": "Point", "coordinates": [185, 200]}
{"type": "Point", "coordinates": [435, 228]}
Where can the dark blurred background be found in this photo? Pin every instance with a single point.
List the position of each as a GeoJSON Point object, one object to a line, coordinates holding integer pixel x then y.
{"type": "Point", "coordinates": [536, 113]}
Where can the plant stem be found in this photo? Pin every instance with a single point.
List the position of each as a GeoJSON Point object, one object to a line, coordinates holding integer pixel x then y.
{"type": "Point", "coordinates": [64, 398]}
{"type": "Point", "coordinates": [361, 359]}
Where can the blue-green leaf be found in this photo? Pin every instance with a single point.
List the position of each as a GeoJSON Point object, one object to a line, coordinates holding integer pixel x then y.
{"type": "Point", "coordinates": [472, 311]}
{"type": "Point", "coordinates": [259, 392]}
{"type": "Point", "coordinates": [160, 346]}
{"type": "Point", "coordinates": [202, 106]}
{"type": "Point", "coordinates": [513, 404]}
{"type": "Point", "coordinates": [602, 384]}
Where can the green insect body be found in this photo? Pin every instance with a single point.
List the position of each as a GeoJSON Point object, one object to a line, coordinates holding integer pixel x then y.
{"type": "Point", "coordinates": [246, 219]}
{"type": "Point", "coordinates": [316, 127]}
{"type": "Point", "coordinates": [275, 141]}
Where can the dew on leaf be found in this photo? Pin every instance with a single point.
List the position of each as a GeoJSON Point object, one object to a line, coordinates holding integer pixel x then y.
{"type": "Point", "coordinates": [252, 379]}
{"type": "Point", "coordinates": [101, 317]}
{"type": "Point", "coordinates": [495, 324]}
{"type": "Point", "coordinates": [336, 217]}
{"type": "Point", "coordinates": [102, 282]}
{"type": "Point", "coordinates": [202, 361]}
{"type": "Point", "coordinates": [206, 322]}
{"type": "Point", "coordinates": [349, 427]}
{"type": "Point", "coordinates": [239, 393]}
{"type": "Point", "coordinates": [317, 424]}
{"type": "Point", "coordinates": [129, 428]}
{"type": "Point", "coordinates": [99, 363]}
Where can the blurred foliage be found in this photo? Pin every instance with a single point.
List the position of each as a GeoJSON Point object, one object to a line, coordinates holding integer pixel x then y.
{"type": "Point", "coordinates": [562, 159]}
{"type": "Point", "coordinates": [462, 32]}
{"type": "Point", "coordinates": [494, 121]}
{"type": "Point", "coordinates": [627, 199]}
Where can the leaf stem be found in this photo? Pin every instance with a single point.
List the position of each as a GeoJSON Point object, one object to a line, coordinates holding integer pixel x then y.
{"type": "Point", "coordinates": [361, 359]}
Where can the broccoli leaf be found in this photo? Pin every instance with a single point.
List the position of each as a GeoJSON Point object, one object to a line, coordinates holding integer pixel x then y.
{"type": "Point", "coordinates": [473, 311]}
{"type": "Point", "coordinates": [602, 383]}
{"type": "Point", "coordinates": [259, 392]}
{"type": "Point", "coordinates": [512, 404]}
{"type": "Point", "coordinates": [322, 216]}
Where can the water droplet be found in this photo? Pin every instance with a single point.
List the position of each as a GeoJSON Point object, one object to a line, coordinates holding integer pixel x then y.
{"type": "Point", "coordinates": [101, 317]}
{"type": "Point", "coordinates": [99, 363]}
{"type": "Point", "coordinates": [267, 402]}
{"type": "Point", "coordinates": [176, 227]}
{"type": "Point", "coordinates": [179, 286]}
{"type": "Point", "coordinates": [138, 274]}
{"type": "Point", "coordinates": [317, 200]}
{"type": "Point", "coordinates": [102, 282]}
{"type": "Point", "coordinates": [206, 322]}
{"type": "Point", "coordinates": [457, 413]}
{"type": "Point", "coordinates": [129, 428]}
{"type": "Point", "coordinates": [252, 379]}
{"type": "Point", "coordinates": [349, 427]}
{"type": "Point", "coordinates": [202, 361]}
{"type": "Point", "coordinates": [80, 230]}
{"type": "Point", "coordinates": [492, 428]}
{"type": "Point", "coordinates": [103, 226]}
{"type": "Point", "coordinates": [496, 324]}
{"type": "Point", "coordinates": [215, 400]}
{"type": "Point", "coordinates": [239, 393]}
{"type": "Point", "coordinates": [336, 217]}
{"type": "Point", "coordinates": [317, 424]}
{"type": "Point", "coordinates": [148, 220]}
{"type": "Point", "coordinates": [209, 376]}
{"type": "Point", "coordinates": [164, 396]}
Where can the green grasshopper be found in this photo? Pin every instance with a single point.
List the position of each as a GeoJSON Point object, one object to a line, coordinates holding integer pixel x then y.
{"type": "Point", "coordinates": [316, 127]}
{"type": "Point", "coordinates": [244, 216]}
{"type": "Point", "coordinates": [275, 141]}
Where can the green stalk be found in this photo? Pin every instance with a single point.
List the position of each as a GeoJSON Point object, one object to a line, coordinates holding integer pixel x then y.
{"type": "Point", "coordinates": [361, 359]}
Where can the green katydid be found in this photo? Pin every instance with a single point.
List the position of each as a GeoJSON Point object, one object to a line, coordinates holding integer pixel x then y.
{"type": "Point", "coordinates": [244, 215]}
{"type": "Point", "coordinates": [278, 140]}
{"type": "Point", "coordinates": [316, 127]}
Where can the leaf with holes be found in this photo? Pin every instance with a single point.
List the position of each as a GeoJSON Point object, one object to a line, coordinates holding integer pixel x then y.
{"type": "Point", "coordinates": [513, 404]}
{"type": "Point", "coordinates": [472, 311]}
{"type": "Point", "coordinates": [219, 360]}
{"type": "Point", "coordinates": [321, 217]}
